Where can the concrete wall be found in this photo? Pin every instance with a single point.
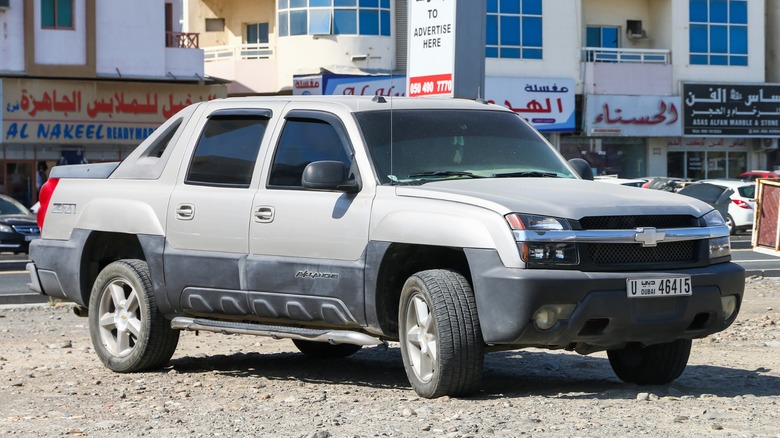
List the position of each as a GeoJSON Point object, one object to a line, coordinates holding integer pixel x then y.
{"type": "Point", "coordinates": [128, 32]}
{"type": "Point", "coordinates": [12, 38]}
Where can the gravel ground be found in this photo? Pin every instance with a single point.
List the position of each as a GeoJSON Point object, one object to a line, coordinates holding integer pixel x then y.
{"type": "Point", "coordinates": [53, 384]}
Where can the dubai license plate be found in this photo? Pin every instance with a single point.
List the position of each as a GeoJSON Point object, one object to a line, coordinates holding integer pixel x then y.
{"type": "Point", "coordinates": [31, 237]}
{"type": "Point", "coordinates": [658, 287]}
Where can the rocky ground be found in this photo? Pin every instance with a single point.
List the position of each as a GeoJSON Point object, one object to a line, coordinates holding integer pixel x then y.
{"type": "Point", "coordinates": [52, 384]}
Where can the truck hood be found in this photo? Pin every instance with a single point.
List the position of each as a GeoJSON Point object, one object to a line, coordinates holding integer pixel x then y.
{"type": "Point", "coordinates": [558, 197]}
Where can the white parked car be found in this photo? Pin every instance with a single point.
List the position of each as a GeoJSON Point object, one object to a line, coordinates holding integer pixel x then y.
{"type": "Point", "coordinates": [743, 203]}
{"type": "Point", "coordinates": [630, 182]}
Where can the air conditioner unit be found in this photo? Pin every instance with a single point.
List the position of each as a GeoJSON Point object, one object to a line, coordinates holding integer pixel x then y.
{"type": "Point", "coordinates": [5, 4]}
{"type": "Point", "coordinates": [634, 30]}
{"type": "Point", "coordinates": [769, 144]}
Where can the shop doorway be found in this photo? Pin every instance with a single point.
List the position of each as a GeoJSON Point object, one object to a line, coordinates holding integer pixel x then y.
{"type": "Point", "coordinates": [19, 181]}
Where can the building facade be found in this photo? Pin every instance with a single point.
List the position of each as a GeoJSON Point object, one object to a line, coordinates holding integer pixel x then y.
{"type": "Point", "coordinates": [86, 81]}
{"type": "Point", "coordinates": [652, 87]}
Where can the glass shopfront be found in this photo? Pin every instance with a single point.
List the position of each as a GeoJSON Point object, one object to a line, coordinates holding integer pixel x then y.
{"type": "Point", "coordinates": [706, 158]}
{"type": "Point", "coordinates": [621, 156]}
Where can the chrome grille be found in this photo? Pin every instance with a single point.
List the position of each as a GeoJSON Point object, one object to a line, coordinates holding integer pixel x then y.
{"type": "Point", "coordinates": [631, 222]}
{"type": "Point", "coordinates": [628, 253]}
{"type": "Point", "coordinates": [27, 229]}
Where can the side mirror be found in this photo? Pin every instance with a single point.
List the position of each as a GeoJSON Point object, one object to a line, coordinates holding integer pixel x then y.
{"type": "Point", "coordinates": [582, 167]}
{"type": "Point", "coordinates": [328, 175]}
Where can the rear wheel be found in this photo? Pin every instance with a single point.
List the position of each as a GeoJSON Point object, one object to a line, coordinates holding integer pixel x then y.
{"type": "Point", "coordinates": [731, 225]}
{"type": "Point", "coordinates": [441, 340]}
{"type": "Point", "coordinates": [128, 332]}
{"type": "Point", "coordinates": [652, 365]}
{"type": "Point", "coordinates": [323, 350]}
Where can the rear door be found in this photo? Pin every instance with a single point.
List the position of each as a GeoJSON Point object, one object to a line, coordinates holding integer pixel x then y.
{"type": "Point", "coordinates": [210, 209]}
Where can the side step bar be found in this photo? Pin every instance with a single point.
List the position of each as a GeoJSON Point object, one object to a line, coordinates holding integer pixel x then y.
{"type": "Point", "coordinates": [274, 331]}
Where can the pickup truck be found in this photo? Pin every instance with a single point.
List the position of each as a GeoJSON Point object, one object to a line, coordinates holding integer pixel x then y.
{"type": "Point", "coordinates": [449, 226]}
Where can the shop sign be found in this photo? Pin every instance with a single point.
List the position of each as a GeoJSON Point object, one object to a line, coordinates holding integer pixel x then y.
{"type": "Point", "coordinates": [731, 110]}
{"type": "Point", "coordinates": [546, 103]}
{"type": "Point", "coordinates": [431, 48]}
{"type": "Point", "coordinates": [91, 112]}
{"type": "Point", "coordinates": [633, 116]}
{"type": "Point", "coordinates": [681, 144]}
{"type": "Point", "coordinates": [350, 85]}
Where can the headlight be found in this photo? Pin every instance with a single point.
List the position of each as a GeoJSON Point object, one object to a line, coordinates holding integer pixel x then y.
{"type": "Point", "coordinates": [713, 219]}
{"type": "Point", "coordinates": [533, 222]}
{"type": "Point", "coordinates": [6, 229]}
{"type": "Point", "coordinates": [719, 247]}
{"type": "Point", "coordinates": [557, 253]}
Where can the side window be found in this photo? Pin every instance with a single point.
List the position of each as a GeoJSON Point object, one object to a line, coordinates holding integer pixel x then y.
{"type": "Point", "coordinates": [227, 151]}
{"type": "Point", "coordinates": [302, 142]}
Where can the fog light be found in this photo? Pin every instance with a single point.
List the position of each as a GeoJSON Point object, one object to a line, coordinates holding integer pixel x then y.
{"type": "Point", "coordinates": [729, 304]}
{"type": "Point", "coordinates": [548, 315]}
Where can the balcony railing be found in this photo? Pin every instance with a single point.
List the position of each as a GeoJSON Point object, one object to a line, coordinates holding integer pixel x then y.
{"type": "Point", "coordinates": [242, 51]}
{"type": "Point", "coordinates": [182, 40]}
{"type": "Point", "coordinates": [639, 56]}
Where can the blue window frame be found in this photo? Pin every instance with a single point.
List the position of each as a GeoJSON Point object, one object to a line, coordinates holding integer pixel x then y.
{"type": "Point", "coordinates": [718, 32]}
{"type": "Point", "coordinates": [337, 17]}
{"type": "Point", "coordinates": [514, 29]}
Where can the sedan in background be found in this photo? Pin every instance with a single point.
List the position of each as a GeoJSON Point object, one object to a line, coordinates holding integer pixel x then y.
{"type": "Point", "coordinates": [756, 174]}
{"type": "Point", "coordinates": [18, 226]}
{"type": "Point", "coordinates": [741, 211]}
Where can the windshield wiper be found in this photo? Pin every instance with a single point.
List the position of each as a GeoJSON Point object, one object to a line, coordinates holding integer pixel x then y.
{"type": "Point", "coordinates": [445, 173]}
{"type": "Point", "coordinates": [527, 174]}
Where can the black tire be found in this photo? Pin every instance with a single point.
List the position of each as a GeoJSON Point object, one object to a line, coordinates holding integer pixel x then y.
{"type": "Point", "coordinates": [653, 365]}
{"type": "Point", "coordinates": [323, 350]}
{"type": "Point", "coordinates": [441, 339]}
{"type": "Point", "coordinates": [731, 225]}
{"type": "Point", "coordinates": [128, 332]}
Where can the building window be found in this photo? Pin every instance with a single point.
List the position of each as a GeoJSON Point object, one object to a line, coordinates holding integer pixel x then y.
{"type": "Point", "coordinates": [718, 32]}
{"type": "Point", "coordinates": [334, 17]}
{"type": "Point", "coordinates": [514, 29]}
{"type": "Point", "coordinates": [605, 37]}
{"type": "Point", "coordinates": [706, 164]}
{"type": "Point", "coordinates": [215, 24]}
{"type": "Point", "coordinates": [57, 14]}
{"type": "Point", "coordinates": [257, 33]}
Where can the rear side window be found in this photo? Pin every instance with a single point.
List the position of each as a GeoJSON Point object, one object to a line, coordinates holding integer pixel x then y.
{"type": "Point", "coordinates": [226, 152]}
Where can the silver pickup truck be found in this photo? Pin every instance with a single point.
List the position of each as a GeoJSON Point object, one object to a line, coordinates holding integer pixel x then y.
{"type": "Point", "coordinates": [447, 225]}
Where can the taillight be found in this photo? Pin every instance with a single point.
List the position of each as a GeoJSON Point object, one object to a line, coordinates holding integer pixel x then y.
{"type": "Point", "coordinates": [741, 204]}
{"type": "Point", "coordinates": [44, 197]}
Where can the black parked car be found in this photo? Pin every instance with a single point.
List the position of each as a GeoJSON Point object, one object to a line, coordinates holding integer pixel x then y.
{"type": "Point", "coordinates": [17, 226]}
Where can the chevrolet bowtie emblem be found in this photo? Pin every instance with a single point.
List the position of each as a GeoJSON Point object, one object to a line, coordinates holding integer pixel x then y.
{"type": "Point", "coordinates": [649, 236]}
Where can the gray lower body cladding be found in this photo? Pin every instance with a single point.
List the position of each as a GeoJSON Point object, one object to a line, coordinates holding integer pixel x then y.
{"type": "Point", "coordinates": [604, 316]}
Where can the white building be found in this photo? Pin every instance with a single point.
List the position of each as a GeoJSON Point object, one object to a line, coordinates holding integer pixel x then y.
{"type": "Point", "coordinates": [642, 76]}
{"type": "Point", "coordinates": [87, 80]}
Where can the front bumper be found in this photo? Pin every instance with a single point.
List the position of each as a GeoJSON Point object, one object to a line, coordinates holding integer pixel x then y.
{"type": "Point", "coordinates": [604, 317]}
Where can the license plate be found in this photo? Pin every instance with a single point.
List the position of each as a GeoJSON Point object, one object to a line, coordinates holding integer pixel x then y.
{"type": "Point", "coordinates": [31, 237]}
{"type": "Point", "coordinates": [658, 287]}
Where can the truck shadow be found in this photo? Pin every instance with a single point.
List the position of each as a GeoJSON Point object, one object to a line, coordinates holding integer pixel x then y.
{"type": "Point", "coordinates": [511, 374]}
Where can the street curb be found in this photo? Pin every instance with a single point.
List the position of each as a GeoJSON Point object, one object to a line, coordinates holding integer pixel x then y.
{"type": "Point", "coordinates": [24, 299]}
{"type": "Point", "coordinates": [769, 273]}
{"type": "Point", "coordinates": [13, 265]}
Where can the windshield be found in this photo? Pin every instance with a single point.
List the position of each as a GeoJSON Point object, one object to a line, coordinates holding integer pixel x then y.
{"type": "Point", "coordinates": [431, 145]}
{"type": "Point", "coordinates": [11, 206]}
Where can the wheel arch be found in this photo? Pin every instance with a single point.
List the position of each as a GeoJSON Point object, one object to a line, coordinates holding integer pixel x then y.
{"type": "Point", "coordinates": [398, 262]}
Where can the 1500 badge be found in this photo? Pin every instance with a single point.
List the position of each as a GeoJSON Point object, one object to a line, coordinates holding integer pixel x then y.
{"type": "Point", "coordinates": [60, 208]}
{"type": "Point", "coordinates": [309, 274]}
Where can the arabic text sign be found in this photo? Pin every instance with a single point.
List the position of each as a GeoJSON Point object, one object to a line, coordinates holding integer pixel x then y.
{"type": "Point", "coordinates": [80, 112]}
{"type": "Point", "coordinates": [633, 116]}
{"type": "Point", "coordinates": [431, 47]}
{"type": "Point", "coordinates": [548, 104]}
{"type": "Point", "coordinates": [731, 110]}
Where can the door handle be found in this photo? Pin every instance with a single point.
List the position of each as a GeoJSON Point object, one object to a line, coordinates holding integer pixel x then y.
{"type": "Point", "coordinates": [185, 212]}
{"type": "Point", "coordinates": [264, 214]}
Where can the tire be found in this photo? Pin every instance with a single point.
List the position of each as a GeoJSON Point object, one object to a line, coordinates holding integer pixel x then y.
{"type": "Point", "coordinates": [128, 332]}
{"type": "Point", "coordinates": [731, 225]}
{"type": "Point", "coordinates": [323, 350]}
{"type": "Point", "coordinates": [441, 340]}
{"type": "Point", "coordinates": [653, 365]}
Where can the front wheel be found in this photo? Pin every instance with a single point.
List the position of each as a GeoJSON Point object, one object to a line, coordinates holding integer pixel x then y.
{"type": "Point", "coordinates": [441, 339]}
{"type": "Point", "coordinates": [652, 365]}
{"type": "Point", "coordinates": [128, 332]}
{"type": "Point", "coordinates": [731, 225]}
